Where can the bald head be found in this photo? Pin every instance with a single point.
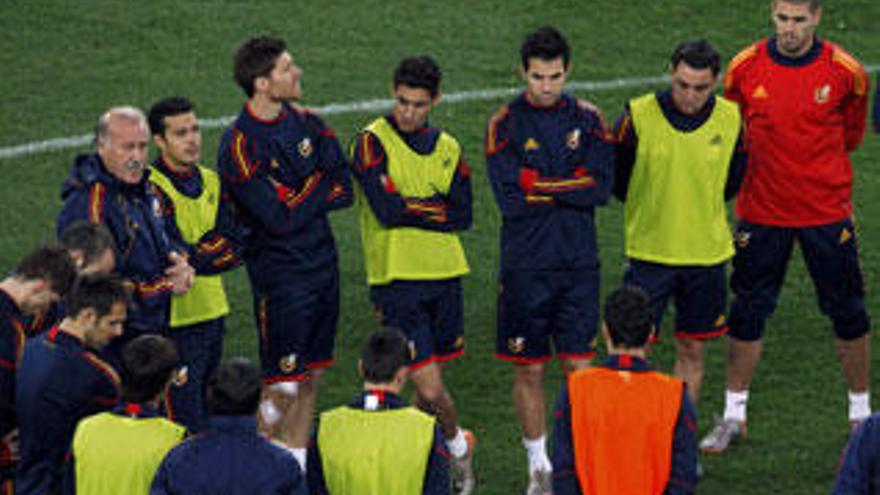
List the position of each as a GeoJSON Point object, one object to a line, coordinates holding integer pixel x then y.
{"type": "Point", "coordinates": [121, 137]}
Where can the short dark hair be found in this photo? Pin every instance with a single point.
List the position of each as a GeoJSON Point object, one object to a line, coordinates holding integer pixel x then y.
{"type": "Point", "coordinates": [629, 317]}
{"type": "Point", "coordinates": [256, 58]}
{"type": "Point", "coordinates": [148, 362]}
{"type": "Point", "coordinates": [547, 44]}
{"type": "Point", "coordinates": [384, 353]}
{"type": "Point", "coordinates": [93, 239]}
{"type": "Point", "coordinates": [419, 72]}
{"type": "Point", "coordinates": [51, 263]}
{"type": "Point", "coordinates": [812, 4]}
{"type": "Point", "coordinates": [167, 107]}
{"type": "Point", "coordinates": [234, 389]}
{"type": "Point", "coordinates": [697, 54]}
{"type": "Point", "coordinates": [99, 291]}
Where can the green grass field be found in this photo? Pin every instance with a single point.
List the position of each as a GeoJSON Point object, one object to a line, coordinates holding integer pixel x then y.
{"type": "Point", "coordinates": [65, 62]}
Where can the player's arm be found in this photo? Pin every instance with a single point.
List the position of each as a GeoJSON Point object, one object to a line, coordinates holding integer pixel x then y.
{"type": "Point", "coordinates": [589, 180]}
{"type": "Point", "coordinates": [855, 107]}
{"type": "Point", "coordinates": [10, 350]}
{"type": "Point", "coordinates": [877, 106]}
{"type": "Point", "coordinates": [278, 208]}
{"type": "Point", "coordinates": [565, 480]}
{"type": "Point", "coordinates": [220, 249]}
{"type": "Point", "coordinates": [335, 165]}
{"type": "Point", "coordinates": [732, 78]}
{"type": "Point", "coordinates": [625, 144]}
{"type": "Point", "coordinates": [510, 180]}
{"type": "Point", "coordinates": [456, 205]}
{"type": "Point", "coordinates": [392, 209]}
{"type": "Point", "coordinates": [858, 474]}
{"type": "Point", "coordinates": [683, 472]}
{"type": "Point", "coordinates": [437, 472]}
{"type": "Point", "coordinates": [738, 163]}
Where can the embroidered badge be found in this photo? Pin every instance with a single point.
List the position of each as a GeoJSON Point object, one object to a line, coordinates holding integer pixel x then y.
{"type": "Point", "coordinates": [823, 94]}
{"type": "Point", "coordinates": [760, 92]}
{"type": "Point", "coordinates": [288, 363]}
{"type": "Point", "coordinates": [181, 377]}
{"type": "Point", "coordinates": [516, 344]}
{"type": "Point", "coordinates": [742, 238]}
{"type": "Point", "coordinates": [531, 145]}
{"type": "Point", "coordinates": [573, 139]}
{"type": "Point", "coordinates": [305, 148]}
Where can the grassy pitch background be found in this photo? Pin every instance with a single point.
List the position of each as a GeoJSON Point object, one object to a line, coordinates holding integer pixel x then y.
{"type": "Point", "coordinates": [65, 62]}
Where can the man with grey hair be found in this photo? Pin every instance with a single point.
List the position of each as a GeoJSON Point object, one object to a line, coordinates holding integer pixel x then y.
{"type": "Point", "coordinates": [110, 187]}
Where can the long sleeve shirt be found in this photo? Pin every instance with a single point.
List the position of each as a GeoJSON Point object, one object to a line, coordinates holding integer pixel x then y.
{"type": "Point", "coordinates": [803, 117]}
{"type": "Point", "coordinates": [626, 143]}
{"type": "Point", "coordinates": [133, 215]}
{"type": "Point", "coordinates": [442, 212]}
{"type": "Point", "coordinates": [284, 175]}
{"type": "Point", "coordinates": [221, 248]}
{"type": "Point", "coordinates": [549, 168]}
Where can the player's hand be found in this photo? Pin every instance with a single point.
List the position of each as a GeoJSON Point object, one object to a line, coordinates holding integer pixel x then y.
{"type": "Point", "coordinates": [181, 274]}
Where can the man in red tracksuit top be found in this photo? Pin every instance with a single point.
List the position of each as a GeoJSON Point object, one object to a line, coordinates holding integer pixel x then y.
{"type": "Point", "coordinates": [804, 101]}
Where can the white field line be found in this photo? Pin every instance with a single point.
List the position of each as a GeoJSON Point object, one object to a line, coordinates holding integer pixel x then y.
{"type": "Point", "coordinates": [56, 144]}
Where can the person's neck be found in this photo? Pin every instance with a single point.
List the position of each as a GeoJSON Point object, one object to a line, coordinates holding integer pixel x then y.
{"type": "Point", "coordinates": [638, 353]}
{"type": "Point", "coordinates": [71, 326]}
{"type": "Point", "coordinates": [263, 107]}
{"type": "Point", "coordinates": [15, 289]}
{"type": "Point", "coordinates": [177, 167]}
{"type": "Point", "coordinates": [382, 387]}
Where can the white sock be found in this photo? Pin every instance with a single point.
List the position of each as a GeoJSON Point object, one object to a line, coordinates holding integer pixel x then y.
{"type": "Point", "coordinates": [300, 455]}
{"type": "Point", "coordinates": [859, 406]}
{"type": "Point", "coordinates": [735, 405]}
{"type": "Point", "coordinates": [536, 451]}
{"type": "Point", "coordinates": [458, 446]}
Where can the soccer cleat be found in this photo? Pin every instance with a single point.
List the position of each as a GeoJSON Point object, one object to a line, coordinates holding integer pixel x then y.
{"type": "Point", "coordinates": [722, 435]}
{"type": "Point", "coordinates": [462, 471]}
{"type": "Point", "coordinates": [540, 482]}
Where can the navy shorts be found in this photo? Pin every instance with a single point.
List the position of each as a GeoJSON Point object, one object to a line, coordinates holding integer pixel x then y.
{"type": "Point", "coordinates": [535, 307]}
{"type": "Point", "coordinates": [699, 292]}
{"type": "Point", "coordinates": [831, 255]}
{"type": "Point", "coordinates": [297, 326]}
{"type": "Point", "coordinates": [429, 312]}
{"type": "Point", "coordinates": [200, 347]}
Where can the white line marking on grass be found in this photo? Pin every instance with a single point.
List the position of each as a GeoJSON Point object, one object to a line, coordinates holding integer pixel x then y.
{"type": "Point", "coordinates": [56, 144]}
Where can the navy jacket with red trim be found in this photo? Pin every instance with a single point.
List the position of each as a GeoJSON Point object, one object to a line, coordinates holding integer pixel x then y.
{"type": "Point", "coordinates": [229, 458]}
{"type": "Point", "coordinates": [370, 166]}
{"type": "Point", "coordinates": [284, 176]}
{"type": "Point", "coordinates": [12, 337]}
{"type": "Point", "coordinates": [133, 215]}
{"type": "Point", "coordinates": [436, 473]}
{"type": "Point", "coordinates": [218, 250]}
{"type": "Point", "coordinates": [683, 475]}
{"type": "Point", "coordinates": [549, 168]}
{"type": "Point", "coordinates": [59, 382]}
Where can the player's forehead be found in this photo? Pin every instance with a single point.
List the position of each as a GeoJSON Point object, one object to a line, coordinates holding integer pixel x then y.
{"type": "Point", "coordinates": [125, 129]}
{"type": "Point", "coordinates": [791, 10]}
{"type": "Point", "coordinates": [542, 67]}
{"type": "Point", "coordinates": [284, 61]}
{"type": "Point", "coordinates": [181, 120]}
{"type": "Point", "coordinates": [692, 76]}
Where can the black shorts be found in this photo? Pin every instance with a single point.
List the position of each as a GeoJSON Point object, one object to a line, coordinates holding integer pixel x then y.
{"type": "Point", "coordinates": [297, 326]}
{"type": "Point", "coordinates": [429, 312]}
{"type": "Point", "coordinates": [699, 292]}
{"type": "Point", "coordinates": [535, 307]}
{"type": "Point", "coordinates": [831, 254]}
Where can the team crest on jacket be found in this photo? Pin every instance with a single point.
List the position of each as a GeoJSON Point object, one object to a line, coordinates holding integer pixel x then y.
{"type": "Point", "coordinates": [845, 235]}
{"type": "Point", "coordinates": [274, 164]}
{"type": "Point", "coordinates": [288, 363]}
{"type": "Point", "coordinates": [459, 343]}
{"type": "Point", "coordinates": [516, 344]}
{"type": "Point", "coordinates": [531, 144]}
{"type": "Point", "coordinates": [305, 148]}
{"type": "Point", "coordinates": [573, 139]}
{"type": "Point", "coordinates": [823, 94]}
